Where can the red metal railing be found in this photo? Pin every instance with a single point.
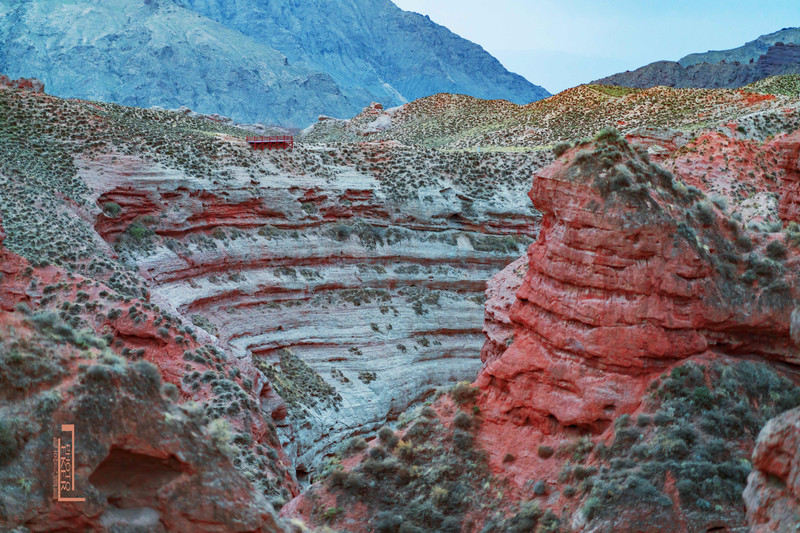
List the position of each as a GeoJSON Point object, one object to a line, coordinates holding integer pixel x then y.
{"type": "Point", "coordinates": [273, 139]}
{"type": "Point", "coordinates": [273, 142]}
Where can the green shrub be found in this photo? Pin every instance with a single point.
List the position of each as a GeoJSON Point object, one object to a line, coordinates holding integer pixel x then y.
{"type": "Point", "coordinates": [744, 242]}
{"type": "Point", "coordinates": [463, 421]}
{"type": "Point", "coordinates": [428, 412]}
{"type": "Point", "coordinates": [387, 522]}
{"type": "Point", "coordinates": [592, 508]}
{"type": "Point", "coordinates": [608, 135]}
{"type": "Point", "coordinates": [462, 441]}
{"type": "Point", "coordinates": [353, 446]}
{"type": "Point", "coordinates": [9, 445]}
{"type": "Point", "coordinates": [421, 430]}
{"type": "Point", "coordinates": [525, 520]}
{"type": "Point", "coordinates": [561, 148]}
{"type": "Point", "coordinates": [720, 201]}
{"type": "Point", "coordinates": [331, 514]}
{"type": "Point", "coordinates": [545, 452]}
{"type": "Point", "coordinates": [704, 213]}
{"type": "Point", "coordinates": [776, 250]}
{"type": "Point", "coordinates": [385, 434]}
{"type": "Point", "coordinates": [464, 393]}
{"type": "Point", "coordinates": [622, 179]}
{"type": "Point", "coordinates": [112, 209]}
{"type": "Point", "coordinates": [138, 232]}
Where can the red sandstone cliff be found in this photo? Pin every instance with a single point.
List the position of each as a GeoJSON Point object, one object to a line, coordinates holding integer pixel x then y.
{"type": "Point", "coordinates": [772, 496]}
{"type": "Point", "coordinates": [632, 275]}
{"type": "Point", "coordinates": [141, 459]}
{"type": "Point", "coordinates": [630, 360]}
{"type": "Point", "coordinates": [619, 287]}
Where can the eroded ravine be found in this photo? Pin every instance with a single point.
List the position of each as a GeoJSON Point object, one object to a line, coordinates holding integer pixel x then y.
{"type": "Point", "coordinates": [354, 285]}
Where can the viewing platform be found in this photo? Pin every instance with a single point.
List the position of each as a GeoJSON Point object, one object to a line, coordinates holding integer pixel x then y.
{"type": "Point", "coordinates": [276, 142]}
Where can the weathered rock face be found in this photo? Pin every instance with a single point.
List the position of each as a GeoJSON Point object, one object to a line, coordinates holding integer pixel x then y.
{"type": "Point", "coordinates": [745, 177]}
{"type": "Point", "coordinates": [347, 281]}
{"type": "Point", "coordinates": [772, 496]}
{"type": "Point", "coordinates": [632, 275]}
{"type": "Point", "coordinates": [141, 461]}
{"type": "Point", "coordinates": [501, 293]}
{"type": "Point", "coordinates": [618, 289]}
{"type": "Point", "coordinates": [325, 290]}
{"type": "Point", "coordinates": [27, 84]}
{"type": "Point", "coordinates": [789, 203]}
{"type": "Point", "coordinates": [333, 282]}
{"type": "Point", "coordinates": [758, 182]}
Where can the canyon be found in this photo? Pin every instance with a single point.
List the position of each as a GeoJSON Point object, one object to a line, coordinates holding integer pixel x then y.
{"type": "Point", "coordinates": [631, 358]}
{"type": "Point", "coordinates": [405, 324]}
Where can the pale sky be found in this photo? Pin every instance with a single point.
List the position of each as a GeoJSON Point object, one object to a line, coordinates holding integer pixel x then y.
{"type": "Point", "coordinates": [562, 43]}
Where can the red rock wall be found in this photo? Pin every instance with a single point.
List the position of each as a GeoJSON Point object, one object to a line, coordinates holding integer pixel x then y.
{"type": "Point", "coordinates": [772, 496]}
{"type": "Point", "coordinates": [613, 296]}
{"type": "Point", "coordinates": [140, 458]}
{"type": "Point", "coordinates": [789, 204]}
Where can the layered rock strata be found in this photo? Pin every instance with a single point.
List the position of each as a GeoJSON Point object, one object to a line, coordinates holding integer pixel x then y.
{"type": "Point", "coordinates": [621, 285]}
{"type": "Point", "coordinates": [342, 270]}
{"type": "Point", "coordinates": [632, 277]}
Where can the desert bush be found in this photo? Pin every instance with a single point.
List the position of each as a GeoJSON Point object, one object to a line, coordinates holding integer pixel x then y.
{"type": "Point", "coordinates": [112, 209]}
{"type": "Point", "coordinates": [776, 250]}
{"type": "Point", "coordinates": [9, 443]}
{"type": "Point", "coordinates": [608, 135]}
{"type": "Point", "coordinates": [545, 452]}
{"type": "Point", "coordinates": [704, 213]}
{"type": "Point", "coordinates": [352, 446]}
{"type": "Point", "coordinates": [463, 421]}
{"type": "Point", "coordinates": [561, 148]}
{"type": "Point", "coordinates": [385, 434]}
{"type": "Point", "coordinates": [464, 393]}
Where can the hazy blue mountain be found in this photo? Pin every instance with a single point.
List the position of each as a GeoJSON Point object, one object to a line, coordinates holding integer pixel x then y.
{"type": "Point", "coordinates": [279, 61]}
{"type": "Point", "coordinates": [373, 49]}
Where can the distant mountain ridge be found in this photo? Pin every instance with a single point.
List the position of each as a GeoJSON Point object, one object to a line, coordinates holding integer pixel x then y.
{"type": "Point", "coordinates": [372, 48]}
{"type": "Point", "coordinates": [748, 52]}
{"type": "Point", "coordinates": [272, 61]}
{"type": "Point", "coordinates": [770, 55]}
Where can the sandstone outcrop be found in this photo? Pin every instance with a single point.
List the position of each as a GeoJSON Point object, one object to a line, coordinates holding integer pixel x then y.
{"type": "Point", "coordinates": [630, 360]}
{"type": "Point", "coordinates": [141, 461]}
{"type": "Point", "coordinates": [291, 300]}
{"type": "Point", "coordinates": [33, 85]}
{"type": "Point", "coordinates": [331, 269]}
{"type": "Point", "coordinates": [348, 280]}
{"type": "Point", "coordinates": [632, 277]}
{"type": "Point", "coordinates": [614, 294]}
{"type": "Point", "coordinates": [754, 180]}
{"type": "Point", "coordinates": [772, 496]}
{"type": "Point", "coordinates": [789, 203]}
{"type": "Point", "coordinates": [501, 292]}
